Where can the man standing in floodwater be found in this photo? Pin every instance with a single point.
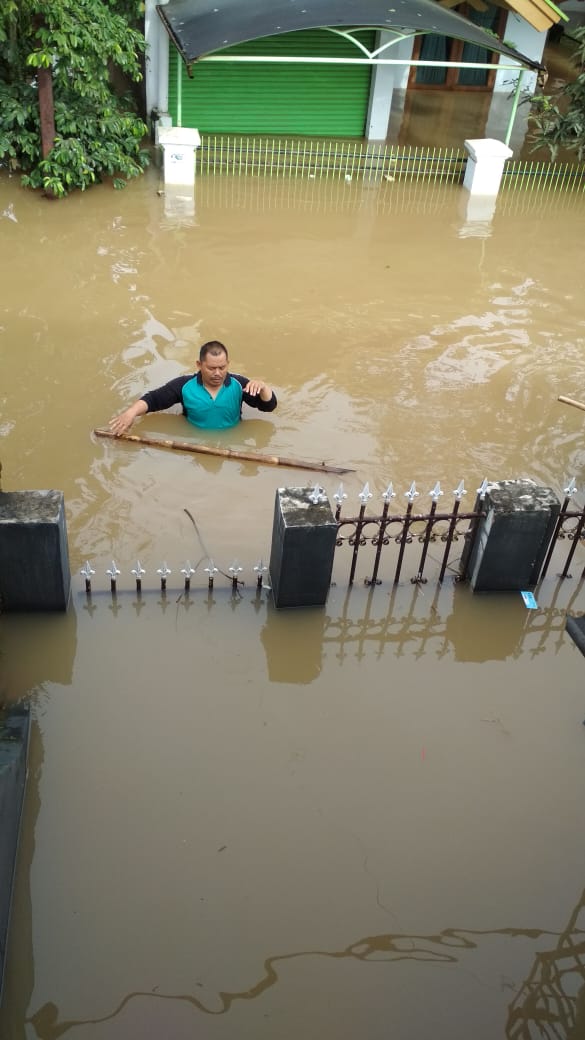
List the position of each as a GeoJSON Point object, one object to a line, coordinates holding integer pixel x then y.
{"type": "Point", "coordinates": [212, 398]}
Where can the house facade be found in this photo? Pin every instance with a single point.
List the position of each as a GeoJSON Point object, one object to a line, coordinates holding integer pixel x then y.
{"type": "Point", "coordinates": [278, 68]}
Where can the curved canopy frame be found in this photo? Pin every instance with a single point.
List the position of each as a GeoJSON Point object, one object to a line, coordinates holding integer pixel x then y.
{"type": "Point", "coordinates": [201, 28]}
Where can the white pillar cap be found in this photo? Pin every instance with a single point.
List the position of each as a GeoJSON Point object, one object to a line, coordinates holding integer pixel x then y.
{"type": "Point", "coordinates": [183, 136]}
{"type": "Point", "coordinates": [488, 148]}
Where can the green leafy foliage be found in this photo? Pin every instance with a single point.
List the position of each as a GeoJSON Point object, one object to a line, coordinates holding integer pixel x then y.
{"type": "Point", "coordinates": [558, 120]}
{"type": "Point", "coordinates": [97, 130]}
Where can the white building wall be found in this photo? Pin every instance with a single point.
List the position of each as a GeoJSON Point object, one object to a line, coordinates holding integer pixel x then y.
{"type": "Point", "coordinates": [519, 34]}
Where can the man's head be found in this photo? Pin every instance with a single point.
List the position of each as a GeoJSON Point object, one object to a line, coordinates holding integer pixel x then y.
{"type": "Point", "coordinates": [213, 363]}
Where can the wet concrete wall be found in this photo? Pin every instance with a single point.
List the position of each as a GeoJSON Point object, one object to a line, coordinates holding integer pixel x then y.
{"type": "Point", "coordinates": [303, 545]}
{"type": "Point", "coordinates": [14, 737]}
{"type": "Point", "coordinates": [34, 557]}
{"type": "Point", "coordinates": [513, 537]}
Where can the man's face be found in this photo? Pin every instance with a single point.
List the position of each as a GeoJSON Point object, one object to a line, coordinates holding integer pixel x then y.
{"type": "Point", "coordinates": [213, 369]}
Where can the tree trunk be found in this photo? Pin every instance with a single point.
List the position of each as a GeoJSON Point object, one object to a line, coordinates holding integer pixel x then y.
{"type": "Point", "coordinates": [46, 110]}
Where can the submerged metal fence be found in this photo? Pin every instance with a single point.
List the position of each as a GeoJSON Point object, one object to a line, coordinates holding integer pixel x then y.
{"type": "Point", "coordinates": [329, 159]}
{"type": "Point", "coordinates": [569, 526]}
{"type": "Point", "coordinates": [444, 538]}
{"type": "Point", "coordinates": [527, 175]}
{"type": "Point", "coordinates": [400, 625]}
{"type": "Point", "coordinates": [427, 529]}
{"type": "Point", "coordinates": [324, 159]}
{"type": "Point", "coordinates": [431, 543]}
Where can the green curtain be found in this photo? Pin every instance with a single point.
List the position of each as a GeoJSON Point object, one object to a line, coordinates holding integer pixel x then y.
{"type": "Point", "coordinates": [471, 52]}
{"type": "Point", "coordinates": [433, 48]}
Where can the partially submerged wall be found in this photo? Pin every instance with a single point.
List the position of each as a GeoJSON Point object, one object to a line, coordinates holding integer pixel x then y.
{"type": "Point", "coordinates": [14, 738]}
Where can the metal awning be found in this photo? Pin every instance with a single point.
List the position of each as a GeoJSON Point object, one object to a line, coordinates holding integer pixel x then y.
{"type": "Point", "coordinates": [200, 28]}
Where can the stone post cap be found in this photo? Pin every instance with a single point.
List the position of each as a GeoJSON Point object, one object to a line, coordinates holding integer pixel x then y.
{"type": "Point", "coordinates": [183, 136]}
{"type": "Point", "coordinates": [487, 148]}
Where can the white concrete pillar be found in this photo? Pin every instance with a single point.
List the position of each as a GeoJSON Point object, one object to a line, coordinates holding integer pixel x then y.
{"type": "Point", "coordinates": [157, 60]}
{"type": "Point", "coordinates": [485, 165]}
{"type": "Point", "coordinates": [178, 144]}
{"type": "Point", "coordinates": [381, 89]}
{"type": "Point", "coordinates": [402, 49]}
{"type": "Point", "coordinates": [163, 70]}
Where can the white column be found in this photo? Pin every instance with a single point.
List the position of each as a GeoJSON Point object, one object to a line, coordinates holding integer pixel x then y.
{"type": "Point", "coordinates": [403, 50]}
{"type": "Point", "coordinates": [381, 88]}
{"type": "Point", "coordinates": [163, 70]}
{"type": "Point", "coordinates": [157, 60]}
{"type": "Point", "coordinates": [485, 166]}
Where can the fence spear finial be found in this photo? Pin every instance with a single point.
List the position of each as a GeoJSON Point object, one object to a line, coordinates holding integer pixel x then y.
{"type": "Point", "coordinates": [317, 495]}
{"type": "Point", "coordinates": [210, 570]}
{"type": "Point", "coordinates": [138, 572]}
{"type": "Point", "coordinates": [260, 569]}
{"type": "Point", "coordinates": [86, 572]}
{"type": "Point", "coordinates": [164, 572]}
{"type": "Point", "coordinates": [187, 571]}
{"type": "Point", "coordinates": [234, 570]}
{"type": "Point", "coordinates": [365, 494]}
{"type": "Point", "coordinates": [113, 573]}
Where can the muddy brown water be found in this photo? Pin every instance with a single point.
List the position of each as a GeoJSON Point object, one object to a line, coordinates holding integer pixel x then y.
{"type": "Point", "coordinates": [363, 820]}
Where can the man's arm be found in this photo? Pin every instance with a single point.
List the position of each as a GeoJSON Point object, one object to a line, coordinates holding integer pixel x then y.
{"type": "Point", "coordinates": [121, 423]}
{"type": "Point", "coordinates": [152, 401]}
{"type": "Point", "coordinates": [257, 394]}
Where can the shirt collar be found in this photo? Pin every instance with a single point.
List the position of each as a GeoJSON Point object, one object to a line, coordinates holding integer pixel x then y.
{"type": "Point", "coordinates": [226, 381]}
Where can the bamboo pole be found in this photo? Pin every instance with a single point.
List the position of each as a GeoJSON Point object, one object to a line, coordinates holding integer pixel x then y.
{"type": "Point", "coordinates": [569, 400]}
{"type": "Point", "coordinates": [228, 453]}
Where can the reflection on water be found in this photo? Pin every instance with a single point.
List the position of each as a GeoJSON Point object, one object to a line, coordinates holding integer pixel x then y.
{"type": "Point", "coordinates": [236, 817]}
{"type": "Point", "coordinates": [374, 756]}
{"type": "Point", "coordinates": [547, 999]}
{"type": "Point", "coordinates": [446, 119]}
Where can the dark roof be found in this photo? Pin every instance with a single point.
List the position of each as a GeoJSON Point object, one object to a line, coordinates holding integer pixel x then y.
{"type": "Point", "coordinates": [201, 27]}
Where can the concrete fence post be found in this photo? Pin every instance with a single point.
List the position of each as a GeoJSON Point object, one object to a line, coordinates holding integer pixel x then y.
{"type": "Point", "coordinates": [513, 536]}
{"type": "Point", "coordinates": [178, 144]}
{"type": "Point", "coordinates": [485, 166]}
{"type": "Point", "coordinates": [34, 557]}
{"type": "Point", "coordinates": [304, 534]}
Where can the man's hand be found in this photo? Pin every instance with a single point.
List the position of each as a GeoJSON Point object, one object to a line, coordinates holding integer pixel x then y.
{"type": "Point", "coordinates": [121, 423]}
{"type": "Point", "coordinates": [256, 386]}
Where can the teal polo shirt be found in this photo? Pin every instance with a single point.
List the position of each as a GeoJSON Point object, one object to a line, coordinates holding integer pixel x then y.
{"type": "Point", "coordinates": [212, 413]}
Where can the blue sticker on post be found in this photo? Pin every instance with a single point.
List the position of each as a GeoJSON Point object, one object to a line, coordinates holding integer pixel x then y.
{"type": "Point", "coordinates": [529, 600]}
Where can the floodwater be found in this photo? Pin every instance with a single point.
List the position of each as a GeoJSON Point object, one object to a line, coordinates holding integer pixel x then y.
{"type": "Point", "coordinates": [365, 820]}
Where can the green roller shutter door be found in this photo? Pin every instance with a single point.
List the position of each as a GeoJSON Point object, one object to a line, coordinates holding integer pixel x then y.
{"type": "Point", "coordinates": [274, 98]}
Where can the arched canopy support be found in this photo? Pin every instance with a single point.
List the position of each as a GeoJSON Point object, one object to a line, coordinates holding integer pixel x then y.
{"type": "Point", "coordinates": [202, 31]}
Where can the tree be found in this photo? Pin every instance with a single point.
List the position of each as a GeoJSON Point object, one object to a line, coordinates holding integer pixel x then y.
{"type": "Point", "coordinates": [62, 124]}
{"type": "Point", "coordinates": [558, 120]}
